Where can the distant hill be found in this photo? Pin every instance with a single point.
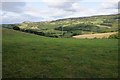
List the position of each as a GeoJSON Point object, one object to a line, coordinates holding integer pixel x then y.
{"type": "Point", "coordinates": [71, 26]}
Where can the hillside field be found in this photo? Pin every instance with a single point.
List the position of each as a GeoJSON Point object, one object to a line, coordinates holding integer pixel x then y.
{"type": "Point", "coordinates": [69, 27]}
{"type": "Point", "coordinates": [31, 56]}
{"type": "Point", "coordinates": [97, 35]}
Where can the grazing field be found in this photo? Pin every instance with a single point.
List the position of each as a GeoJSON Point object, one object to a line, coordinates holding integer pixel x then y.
{"type": "Point", "coordinates": [97, 35]}
{"type": "Point", "coordinates": [31, 56]}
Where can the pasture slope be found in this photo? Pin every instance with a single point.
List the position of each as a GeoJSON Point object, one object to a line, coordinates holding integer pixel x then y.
{"type": "Point", "coordinates": [32, 56]}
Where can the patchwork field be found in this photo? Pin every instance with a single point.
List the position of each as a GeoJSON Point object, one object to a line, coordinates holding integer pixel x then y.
{"type": "Point", "coordinates": [97, 35]}
{"type": "Point", "coordinates": [31, 56]}
{"type": "Point", "coordinates": [69, 27]}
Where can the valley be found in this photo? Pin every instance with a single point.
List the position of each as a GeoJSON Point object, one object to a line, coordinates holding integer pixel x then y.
{"type": "Point", "coordinates": [67, 48]}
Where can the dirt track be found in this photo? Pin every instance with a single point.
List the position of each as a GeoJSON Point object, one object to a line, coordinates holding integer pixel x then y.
{"type": "Point", "coordinates": [97, 35]}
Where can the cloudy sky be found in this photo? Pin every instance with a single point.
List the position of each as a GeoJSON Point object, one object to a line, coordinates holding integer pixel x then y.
{"type": "Point", "coordinates": [17, 11]}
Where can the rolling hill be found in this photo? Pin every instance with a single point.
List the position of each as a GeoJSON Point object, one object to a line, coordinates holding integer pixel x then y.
{"type": "Point", "coordinates": [47, 55]}
{"type": "Point", "coordinates": [71, 26]}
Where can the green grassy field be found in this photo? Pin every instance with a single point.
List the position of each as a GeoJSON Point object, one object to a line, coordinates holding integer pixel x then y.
{"type": "Point", "coordinates": [32, 56]}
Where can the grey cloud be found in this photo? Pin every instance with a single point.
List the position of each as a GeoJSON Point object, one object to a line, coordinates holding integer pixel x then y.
{"type": "Point", "coordinates": [70, 10]}
{"type": "Point", "coordinates": [13, 6]}
{"type": "Point", "coordinates": [114, 6]}
{"type": "Point", "coordinates": [19, 18]}
{"type": "Point", "coordinates": [12, 0]}
{"type": "Point", "coordinates": [65, 5]}
{"type": "Point", "coordinates": [119, 5]}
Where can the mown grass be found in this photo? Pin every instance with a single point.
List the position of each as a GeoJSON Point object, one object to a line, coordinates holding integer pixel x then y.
{"type": "Point", "coordinates": [31, 56]}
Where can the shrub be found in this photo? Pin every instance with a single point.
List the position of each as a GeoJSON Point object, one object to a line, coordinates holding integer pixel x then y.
{"type": "Point", "coordinates": [114, 36]}
{"type": "Point", "coordinates": [16, 28]}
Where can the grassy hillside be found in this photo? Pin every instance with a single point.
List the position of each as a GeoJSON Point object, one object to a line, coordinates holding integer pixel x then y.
{"type": "Point", "coordinates": [71, 26]}
{"type": "Point", "coordinates": [27, 55]}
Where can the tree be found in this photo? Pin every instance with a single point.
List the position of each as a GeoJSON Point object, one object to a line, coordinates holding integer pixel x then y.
{"type": "Point", "coordinates": [16, 28]}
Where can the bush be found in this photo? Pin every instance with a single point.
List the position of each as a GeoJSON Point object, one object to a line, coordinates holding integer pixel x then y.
{"type": "Point", "coordinates": [16, 28]}
{"type": "Point", "coordinates": [114, 36]}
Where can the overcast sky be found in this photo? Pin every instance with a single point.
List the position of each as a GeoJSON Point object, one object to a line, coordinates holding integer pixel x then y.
{"type": "Point", "coordinates": [17, 11]}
